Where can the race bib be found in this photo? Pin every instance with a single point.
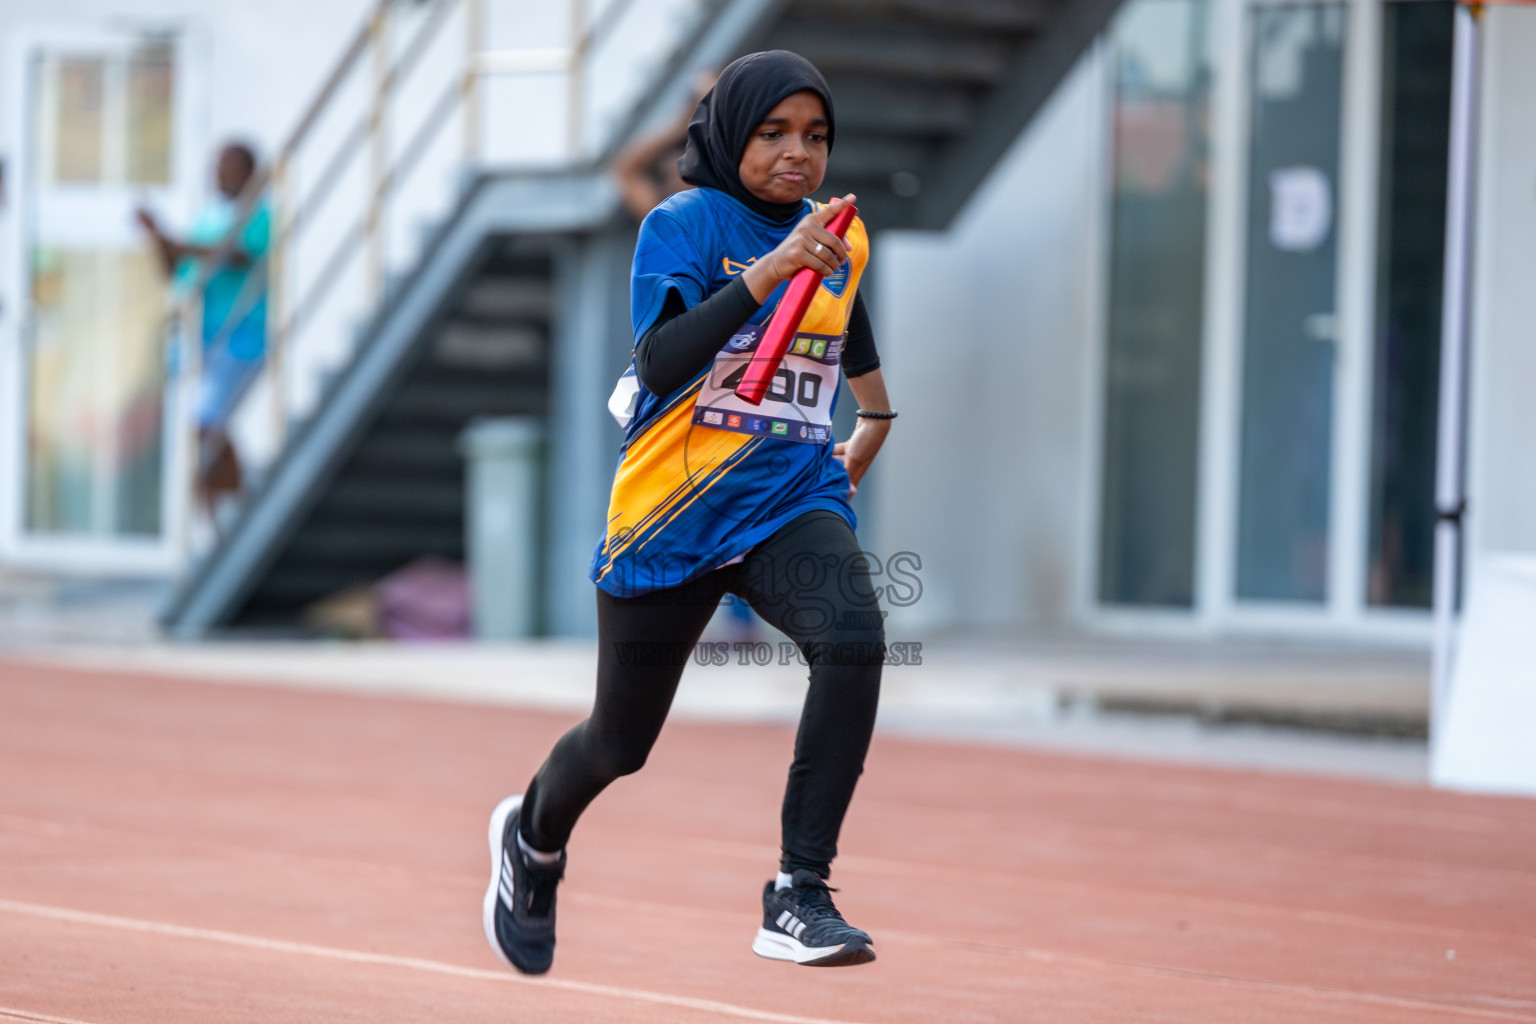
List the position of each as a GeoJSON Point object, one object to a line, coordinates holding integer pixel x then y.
{"type": "Point", "coordinates": [798, 405]}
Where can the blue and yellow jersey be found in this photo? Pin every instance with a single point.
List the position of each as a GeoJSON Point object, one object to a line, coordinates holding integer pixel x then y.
{"type": "Point", "coordinates": [702, 476]}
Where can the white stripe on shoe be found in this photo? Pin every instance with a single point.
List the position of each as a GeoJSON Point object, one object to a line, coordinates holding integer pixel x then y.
{"type": "Point", "coordinates": [506, 879]}
{"type": "Point", "coordinates": [790, 923]}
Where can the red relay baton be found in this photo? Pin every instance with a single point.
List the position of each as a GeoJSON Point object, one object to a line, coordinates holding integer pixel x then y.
{"type": "Point", "coordinates": [764, 363]}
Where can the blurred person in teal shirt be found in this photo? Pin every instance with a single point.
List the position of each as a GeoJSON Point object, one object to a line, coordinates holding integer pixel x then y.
{"type": "Point", "coordinates": [234, 302]}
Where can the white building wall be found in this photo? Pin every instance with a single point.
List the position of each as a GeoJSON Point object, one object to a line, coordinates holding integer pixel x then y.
{"type": "Point", "coordinates": [1482, 735]}
{"type": "Point", "coordinates": [243, 71]}
{"type": "Point", "coordinates": [257, 65]}
{"type": "Point", "coordinates": [987, 337]}
{"type": "Point", "coordinates": [1501, 498]}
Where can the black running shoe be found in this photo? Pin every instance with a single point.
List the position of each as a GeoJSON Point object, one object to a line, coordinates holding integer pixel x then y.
{"type": "Point", "coordinates": [801, 924]}
{"type": "Point", "coordinates": [519, 912]}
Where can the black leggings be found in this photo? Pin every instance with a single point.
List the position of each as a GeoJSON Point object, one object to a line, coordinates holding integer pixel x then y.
{"type": "Point", "coordinates": [804, 580]}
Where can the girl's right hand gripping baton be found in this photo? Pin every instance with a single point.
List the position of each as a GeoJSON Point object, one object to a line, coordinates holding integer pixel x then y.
{"type": "Point", "coordinates": [781, 331]}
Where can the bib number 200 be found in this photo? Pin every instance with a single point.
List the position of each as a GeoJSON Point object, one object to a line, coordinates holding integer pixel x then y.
{"type": "Point", "coordinates": [802, 389]}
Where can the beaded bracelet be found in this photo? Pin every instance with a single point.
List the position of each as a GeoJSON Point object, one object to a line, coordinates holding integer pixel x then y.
{"type": "Point", "coordinates": [876, 415]}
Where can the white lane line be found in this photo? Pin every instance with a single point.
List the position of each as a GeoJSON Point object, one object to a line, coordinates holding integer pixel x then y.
{"type": "Point", "coordinates": [134, 924]}
{"type": "Point", "coordinates": [6, 1013]}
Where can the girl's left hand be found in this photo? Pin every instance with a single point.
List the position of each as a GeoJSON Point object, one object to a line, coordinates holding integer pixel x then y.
{"type": "Point", "coordinates": [859, 450]}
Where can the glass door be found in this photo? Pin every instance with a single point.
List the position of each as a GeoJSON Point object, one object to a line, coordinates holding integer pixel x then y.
{"type": "Point", "coordinates": [1410, 264]}
{"type": "Point", "coordinates": [1272, 314]}
{"type": "Point", "coordinates": [1291, 323]}
{"type": "Point", "coordinates": [1335, 324]}
{"type": "Point", "coordinates": [100, 137]}
{"type": "Point", "coordinates": [1161, 61]}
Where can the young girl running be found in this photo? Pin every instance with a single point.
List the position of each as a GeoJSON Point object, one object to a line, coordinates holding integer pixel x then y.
{"type": "Point", "coordinates": [713, 495]}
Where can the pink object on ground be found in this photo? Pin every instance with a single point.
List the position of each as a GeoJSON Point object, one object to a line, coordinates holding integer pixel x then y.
{"type": "Point", "coordinates": [426, 600]}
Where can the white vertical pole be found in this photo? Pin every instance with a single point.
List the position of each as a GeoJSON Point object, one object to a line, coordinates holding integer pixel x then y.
{"type": "Point", "coordinates": [1354, 346]}
{"type": "Point", "coordinates": [1450, 498]}
{"type": "Point", "coordinates": [1222, 322]}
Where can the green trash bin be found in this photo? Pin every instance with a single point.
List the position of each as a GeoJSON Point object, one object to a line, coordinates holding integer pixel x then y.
{"type": "Point", "coordinates": [501, 514]}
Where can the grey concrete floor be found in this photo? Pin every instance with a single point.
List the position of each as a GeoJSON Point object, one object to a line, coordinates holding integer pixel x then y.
{"type": "Point", "coordinates": [1227, 702]}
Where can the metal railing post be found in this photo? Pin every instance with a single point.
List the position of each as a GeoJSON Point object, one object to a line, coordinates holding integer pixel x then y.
{"type": "Point", "coordinates": [576, 80]}
{"type": "Point", "coordinates": [277, 294]}
{"type": "Point", "coordinates": [1450, 485]}
{"type": "Point", "coordinates": [378, 138]}
{"type": "Point", "coordinates": [189, 396]}
{"type": "Point", "coordinates": [470, 87]}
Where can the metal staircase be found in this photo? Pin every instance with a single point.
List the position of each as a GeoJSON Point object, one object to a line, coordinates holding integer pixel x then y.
{"type": "Point", "coordinates": [395, 491]}
{"type": "Point", "coordinates": [518, 303]}
{"type": "Point", "coordinates": [930, 93]}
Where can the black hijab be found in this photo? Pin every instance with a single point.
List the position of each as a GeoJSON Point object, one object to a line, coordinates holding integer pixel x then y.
{"type": "Point", "coordinates": [726, 117]}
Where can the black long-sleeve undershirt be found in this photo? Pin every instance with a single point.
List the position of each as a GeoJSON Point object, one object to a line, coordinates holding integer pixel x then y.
{"type": "Point", "coordinates": [682, 341]}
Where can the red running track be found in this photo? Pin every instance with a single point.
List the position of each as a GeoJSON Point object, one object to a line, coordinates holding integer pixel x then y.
{"type": "Point", "coordinates": [177, 852]}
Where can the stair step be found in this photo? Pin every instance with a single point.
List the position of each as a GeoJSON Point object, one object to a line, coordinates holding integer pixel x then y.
{"type": "Point", "coordinates": [910, 52]}
{"type": "Point", "coordinates": [392, 497]}
{"type": "Point", "coordinates": [885, 105]}
{"type": "Point", "coordinates": [361, 541]}
{"type": "Point", "coordinates": [488, 347]}
{"type": "Point", "coordinates": [879, 156]}
{"type": "Point", "coordinates": [393, 449]}
{"type": "Point", "coordinates": [520, 256]}
{"type": "Point", "coordinates": [1004, 15]}
{"type": "Point", "coordinates": [451, 404]}
{"type": "Point", "coordinates": [504, 297]}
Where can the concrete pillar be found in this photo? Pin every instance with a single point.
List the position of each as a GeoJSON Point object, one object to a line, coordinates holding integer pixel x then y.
{"type": "Point", "coordinates": [591, 344]}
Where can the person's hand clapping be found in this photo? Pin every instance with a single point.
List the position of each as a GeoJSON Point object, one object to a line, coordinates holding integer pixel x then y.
{"type": "Point", "coordinates": [810, 244]}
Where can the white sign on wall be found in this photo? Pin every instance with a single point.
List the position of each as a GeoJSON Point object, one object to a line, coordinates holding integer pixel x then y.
{"type": "Point", "coordinates": [1300, 208]}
